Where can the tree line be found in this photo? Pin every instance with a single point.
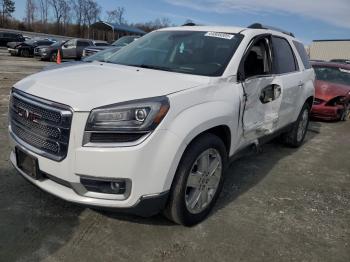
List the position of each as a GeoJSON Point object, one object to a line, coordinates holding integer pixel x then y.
{"type": "Point", "coordinates": [67, 17]}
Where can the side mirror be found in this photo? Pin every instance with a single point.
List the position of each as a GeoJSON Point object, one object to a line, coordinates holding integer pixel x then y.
{"type": "Point", "coordinates": [65, 45]}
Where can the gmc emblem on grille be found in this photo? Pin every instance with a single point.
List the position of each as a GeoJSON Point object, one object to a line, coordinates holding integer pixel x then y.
{"type": "Point", "coordinates": [29, 115]}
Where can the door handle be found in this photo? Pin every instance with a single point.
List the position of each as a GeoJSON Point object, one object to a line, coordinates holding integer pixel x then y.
{"type": "Point", "coordinates": [301, 84]}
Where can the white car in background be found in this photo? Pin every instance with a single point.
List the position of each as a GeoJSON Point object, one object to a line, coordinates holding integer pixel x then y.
{"type": "Point", "coordinates": [153, 127]}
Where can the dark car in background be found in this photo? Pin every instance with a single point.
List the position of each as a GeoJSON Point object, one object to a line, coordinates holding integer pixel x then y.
{"type": "Point", "coordinates": [332, 91]}
{"type": "Point", "coordinates": [121, 42]}
{"type": "Point", "coordinates": [26, 49]}
{"type": "Point", "coordinates": [342, 61]}
{"type": "Point", "coordinates": [6, 37]}
{"type": "Point", "coordinates": [48, 53]}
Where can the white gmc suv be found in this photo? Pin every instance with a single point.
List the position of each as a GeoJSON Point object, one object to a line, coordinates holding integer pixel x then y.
{"type": "Point", "coordinates": [153, 127]}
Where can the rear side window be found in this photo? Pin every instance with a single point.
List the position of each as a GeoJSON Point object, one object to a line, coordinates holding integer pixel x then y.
{"type": "Point", "coordinates": [283, 56]}
{"type": "Point", "coordinates": [83, 43]}
{"type": "Point", "coordinates": [44, 43]}
{"type": "Point", "coordinates": [303, 55]}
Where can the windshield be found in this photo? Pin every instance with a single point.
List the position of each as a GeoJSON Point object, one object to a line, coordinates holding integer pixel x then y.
{"type": "Point", "coordinates": [57, 43]}
{"type": "Point", "coordinates": [125, 40]}
{"type": "Point", "coordinates": [333, 74]}
{"type": "Point", "coordinates": [101, 56]}
{"type": "Point", "coordinates": [190, 52]}
{"type": "Point", "coordinates": [101, 44]}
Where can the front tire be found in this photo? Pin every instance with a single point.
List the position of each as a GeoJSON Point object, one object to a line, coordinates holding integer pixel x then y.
{"type": "Point", "coordinates": [295, 137]}
{"type": "Point", "coordinates": [346, 113]}
{"type": "Point", "coordinates": [198, 181]}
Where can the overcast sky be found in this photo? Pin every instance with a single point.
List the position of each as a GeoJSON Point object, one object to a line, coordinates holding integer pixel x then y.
{"type": "Point", "coordinates": [308, 19]}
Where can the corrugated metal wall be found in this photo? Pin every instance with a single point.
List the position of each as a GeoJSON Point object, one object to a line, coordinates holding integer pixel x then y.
{"type": "Point", "coordinates": [327, 50]}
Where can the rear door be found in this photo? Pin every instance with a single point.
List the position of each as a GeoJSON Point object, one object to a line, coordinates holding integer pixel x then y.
{"type": "Point", "coordinates": [287, 70]}
{"type": "Point", "coordinates": [81, 44]}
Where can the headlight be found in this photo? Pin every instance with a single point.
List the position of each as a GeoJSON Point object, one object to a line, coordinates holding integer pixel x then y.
{"type": "Point", "coordinates": [339, 100]}
{"type": "Point", "coordinates": [125, 122]}
{"type": "Point", "coordinates": [43, 49]}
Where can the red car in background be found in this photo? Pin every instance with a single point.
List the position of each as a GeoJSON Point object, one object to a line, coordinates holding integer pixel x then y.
{"type": "Point", "coordinates": [332, 91]}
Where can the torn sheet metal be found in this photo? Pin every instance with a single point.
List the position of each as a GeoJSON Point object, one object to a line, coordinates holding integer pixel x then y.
{"type": "Point", "coordinates": [261, 118]}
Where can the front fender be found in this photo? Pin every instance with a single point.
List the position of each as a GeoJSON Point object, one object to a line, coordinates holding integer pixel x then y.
{"type": "Point", "coordinates": [201, 117]}
{"type": "Point", "coordinates": [193, 121]}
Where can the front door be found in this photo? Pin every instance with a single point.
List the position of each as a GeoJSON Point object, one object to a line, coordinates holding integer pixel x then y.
{"type": "Point", "coordinates": [262, 90]}
{"type": "Point", "coordinates": [68, 49]}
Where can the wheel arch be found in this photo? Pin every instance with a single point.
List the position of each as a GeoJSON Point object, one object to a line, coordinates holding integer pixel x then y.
{"type": "Point", "coordinates": [310, 101]}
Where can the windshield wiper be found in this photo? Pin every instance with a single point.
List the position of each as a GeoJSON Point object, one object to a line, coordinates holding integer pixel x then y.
{"type": "Point", "coordinates": [152, 67]}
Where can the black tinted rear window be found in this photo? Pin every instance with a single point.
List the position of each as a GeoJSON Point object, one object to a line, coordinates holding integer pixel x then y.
{"type": "Point", "coordinates": [284, 56]}
{"type": "Point", "coordinates": [83, 43]}
{"type": "Point", "coordinates": [303, 55]}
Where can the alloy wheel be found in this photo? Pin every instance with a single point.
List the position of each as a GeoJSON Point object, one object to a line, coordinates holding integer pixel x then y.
{"type": "Point", "coordinates": [203, 181]}
{"type": "Point", "coordinates": [303, 125]}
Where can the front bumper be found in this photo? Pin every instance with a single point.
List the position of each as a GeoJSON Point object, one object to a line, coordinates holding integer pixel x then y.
{"type": "Point", "coordinates": [13, 51]}
{"type": "Point", "coordinates": [150, 166]}
{"type": "Point", "coordinates": [326, 112]}
{"type": "Point", "coordinates": [146, 206]}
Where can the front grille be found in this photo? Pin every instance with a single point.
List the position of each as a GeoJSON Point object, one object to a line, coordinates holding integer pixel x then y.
{"type": "Point", "coordinates": [40, 125]}
{"type": "Point", "coordinates": [89, 52]}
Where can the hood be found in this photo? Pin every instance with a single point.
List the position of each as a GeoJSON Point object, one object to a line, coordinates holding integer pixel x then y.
{"type": "Point", "coordinates": [43, 46]}
{"type": "Point", "coordinates": [99, 48]}
{"type": "Point", "coordinates": [327, 90]}
{"type": "Point", "coordinates": [62, 65]}
{"type": "Point", "coordinates": [90, 85]}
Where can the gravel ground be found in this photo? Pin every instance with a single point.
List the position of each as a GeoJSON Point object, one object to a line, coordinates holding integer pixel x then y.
{"type": "Point", "coordinates": [280, 205]}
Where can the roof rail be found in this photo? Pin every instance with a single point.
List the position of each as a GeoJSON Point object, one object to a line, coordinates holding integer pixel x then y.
{"type": "Point", "coordinates": [189, 24]}
{"type": "Point", "coordinates": [261, 26]}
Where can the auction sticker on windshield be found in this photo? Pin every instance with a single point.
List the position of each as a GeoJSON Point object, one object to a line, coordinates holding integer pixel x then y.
{"type": "Point", "coordinates": [219, 35]}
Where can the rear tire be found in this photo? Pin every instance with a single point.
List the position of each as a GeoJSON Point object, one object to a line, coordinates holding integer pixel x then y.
{"type": "Point", "coordinates": [191, 200]}
{"type": "Point", "coordinates": [25, 53]}
{"type": "Point", "coordinates": [53, 57]}
{"type": "Point", "coordinates": [295, 137]}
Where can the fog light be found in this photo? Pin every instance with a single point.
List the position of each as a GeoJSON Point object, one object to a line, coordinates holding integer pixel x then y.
{"type": "Point", "coordinates": [104, 186]}
{"type": "Point", "coordinates": [115, 186]}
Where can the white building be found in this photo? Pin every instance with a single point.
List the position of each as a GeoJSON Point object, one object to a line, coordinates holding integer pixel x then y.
{"type": "Point", "coordinates": [330, 49]}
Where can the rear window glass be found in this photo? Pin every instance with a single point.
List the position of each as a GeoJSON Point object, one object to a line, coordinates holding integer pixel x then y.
{"type": "Point", "coordinates": [83, 43]}
{"type": "Point", "coordinates": [333, 74]}
{"type": "Point", "coordinates": [101, 44]}
{"type": "Point", "coordinates": [303, 55]}
{"type": "Point", "coordinates": [284, 56]}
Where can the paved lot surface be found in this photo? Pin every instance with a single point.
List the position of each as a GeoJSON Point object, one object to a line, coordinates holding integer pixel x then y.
{"type": "Point", "coordinates": [281, 205]}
